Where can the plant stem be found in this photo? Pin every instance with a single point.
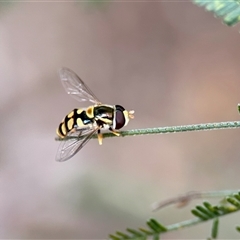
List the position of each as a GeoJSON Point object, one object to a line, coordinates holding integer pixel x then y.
{"type": "Point", "coordinates": [172, 129]}
{"type": "Point", "coordinates": [184, 199]}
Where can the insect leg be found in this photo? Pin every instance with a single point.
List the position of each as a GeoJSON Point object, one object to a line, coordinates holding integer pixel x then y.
{"type": "Point", "coordinates": [104, 120]}
{"type": "Point", "coordinates": [114, 132]}
{"type": "Point", "coordinates": [100, 137]}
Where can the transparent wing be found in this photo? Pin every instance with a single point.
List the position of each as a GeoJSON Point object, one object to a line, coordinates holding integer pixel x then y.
{"type": "Point", "coordinates": [71, 146]}
{"type": "Point", "coordinates": [75, 87]}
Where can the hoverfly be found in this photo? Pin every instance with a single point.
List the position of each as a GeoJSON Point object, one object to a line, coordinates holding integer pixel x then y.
{"type": "Point", "coordinates": [82, 123]}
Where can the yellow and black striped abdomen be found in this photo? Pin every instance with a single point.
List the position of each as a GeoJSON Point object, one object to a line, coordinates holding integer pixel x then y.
{"type": "Point", "coordinates": [75, 119]}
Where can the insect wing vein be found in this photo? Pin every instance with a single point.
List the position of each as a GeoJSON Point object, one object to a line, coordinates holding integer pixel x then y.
{"type": "Point", "coordinates": [74, 144]}
{"type": "Point", "coordinates": [75, 87]}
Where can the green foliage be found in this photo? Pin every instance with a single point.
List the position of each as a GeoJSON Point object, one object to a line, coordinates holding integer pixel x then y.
{"type": "Point", "coordinates": [228, 10]}
{"type": "Point", "coordinates": [203, 213]}
{"type": "Point", "coordinates": [215, 228]}
{"type": "Point", "coordinates": [155, 229]}
{"type": "Point", "coordinates": [238, 228]}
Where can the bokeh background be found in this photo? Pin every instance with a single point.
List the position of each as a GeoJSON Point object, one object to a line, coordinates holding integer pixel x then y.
{"type": "Point", "coordinates": [172, 62]}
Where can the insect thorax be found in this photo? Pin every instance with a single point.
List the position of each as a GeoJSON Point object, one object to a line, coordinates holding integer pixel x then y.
{"type": "Point", "coordinates": [104, 111]}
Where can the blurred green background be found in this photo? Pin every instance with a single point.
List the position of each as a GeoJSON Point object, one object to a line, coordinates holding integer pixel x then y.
{"type": "Point", "coordinates": [172, 62]}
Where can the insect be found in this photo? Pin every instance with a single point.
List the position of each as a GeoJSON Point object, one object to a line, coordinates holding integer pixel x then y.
{"type": "Point", "coordinates": [81, 124]}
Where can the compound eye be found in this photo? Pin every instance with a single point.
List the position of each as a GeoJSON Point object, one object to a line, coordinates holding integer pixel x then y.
{"type": "Point", "coordinates": [119, 120]}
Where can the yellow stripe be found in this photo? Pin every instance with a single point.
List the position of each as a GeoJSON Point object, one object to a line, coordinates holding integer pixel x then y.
{"type": "Point", "coordinates": [89, 112]}
{"type": "Point", "coordinates": [70, 114]}
{"type": "Point", "coordinates": [80, 122]}
{"type": "Point", "coordinates": [79, 111]}
{"type": "Point", "coordinates": [70, 124]}
{"type": "Point", "coordinates": [59, 134]}
{"type": "Point", "coordinates": [63, 128]}
{"type": "Point", "coordinates": [125, 113]}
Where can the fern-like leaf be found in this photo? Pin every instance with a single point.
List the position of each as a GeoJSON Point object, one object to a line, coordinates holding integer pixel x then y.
{"type": "Point", "coordinates": [154, 229]}
{"type": "Point", "coordinates": [215, 228]}
{"type": "Point", "coordinates": [238, 228]}
{"type": "Point", "coordinates": [203, 212]}
{"type": "Point", "coordinates": [229, 10]}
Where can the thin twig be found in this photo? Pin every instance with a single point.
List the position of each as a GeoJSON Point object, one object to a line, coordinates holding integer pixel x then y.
{"type": "Point", "coordinates": [185, 199]}
{"type": "Point", "coordinates": [173, 129]}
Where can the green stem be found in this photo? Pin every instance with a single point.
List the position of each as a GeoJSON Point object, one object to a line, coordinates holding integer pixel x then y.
{"type": "Point", "coordinates": [173, 129]}
{"type": "Point", "coordinates": [186, 198]}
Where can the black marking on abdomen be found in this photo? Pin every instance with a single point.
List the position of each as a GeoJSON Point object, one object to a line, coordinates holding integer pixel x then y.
{"type": "Point", "coordinates": [83, 116]}
{"type": "Point", "coordinates": [85, 120]}
{"type": "Point", "coordinates": [60, 132]}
